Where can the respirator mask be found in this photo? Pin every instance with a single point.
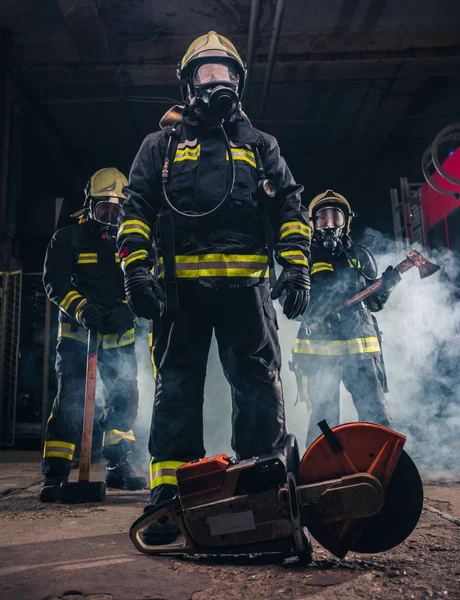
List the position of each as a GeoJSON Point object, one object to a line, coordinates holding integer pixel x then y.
{"type": "Point", "coordinates": [106, 212]}
{"type": "Point", "coordinates": [216, 87]}
{"type": "Point", "coordinates": [329, 222]}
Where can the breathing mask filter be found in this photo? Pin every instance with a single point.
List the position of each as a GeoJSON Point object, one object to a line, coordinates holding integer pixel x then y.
{"type": "Point", "coordinates": [216, 90]}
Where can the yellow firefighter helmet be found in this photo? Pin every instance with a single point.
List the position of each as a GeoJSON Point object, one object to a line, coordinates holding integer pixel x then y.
{"type": "Point", "coordinates": [212, 47]}
{"type": "Point", "coordinates": [107, 182]}
{"type": "Point", "coordinates": [331, 198]}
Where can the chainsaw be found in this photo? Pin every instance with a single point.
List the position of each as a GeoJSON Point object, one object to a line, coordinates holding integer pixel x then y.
{"type": "Point", "coordinates": [354, 489]}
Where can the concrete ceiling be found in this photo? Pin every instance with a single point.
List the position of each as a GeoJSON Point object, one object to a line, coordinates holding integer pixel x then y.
{"type": "Point", "coordinates": [359, 87]}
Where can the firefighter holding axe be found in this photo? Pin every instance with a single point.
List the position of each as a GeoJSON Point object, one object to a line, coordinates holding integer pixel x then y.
{"type": "Point", "coordinates": [339, 340]}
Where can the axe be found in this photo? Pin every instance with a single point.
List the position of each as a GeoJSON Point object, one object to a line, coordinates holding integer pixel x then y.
{"type": "Point", "coordinates": [413, 259]}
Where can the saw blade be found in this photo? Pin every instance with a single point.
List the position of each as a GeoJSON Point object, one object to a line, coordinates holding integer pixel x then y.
{"type": "Point", "coordinates": [400, 513]}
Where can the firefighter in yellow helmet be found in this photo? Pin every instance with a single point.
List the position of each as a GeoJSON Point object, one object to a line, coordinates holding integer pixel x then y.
{"type": "Point", "coordinates": [82, 276]}
{"type": "Point", "coordinates": [207, 189]}
{"type": "Point", "coordinates": [345, 347]}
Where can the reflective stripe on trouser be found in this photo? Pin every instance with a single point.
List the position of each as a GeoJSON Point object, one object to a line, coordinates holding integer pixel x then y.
{"type": "Point", "coordinates": [362, 378]}
{"type": "Point", "coordinates": [118, 371]}
{"type": "Point", "coordinates": [114, 436]}
{"type": "Point", "coordinates": [244, 322]}
{"type": "Point", "coordinates": [109, 340]}
{"type": "Point", "coordinates": [163, 472]}
{"type": "Point", "coordinates": [337, 347]}
{"type": "Point", "coordinates": [57, 449]}
{"type": "Point", "coordinates": [219, 265]}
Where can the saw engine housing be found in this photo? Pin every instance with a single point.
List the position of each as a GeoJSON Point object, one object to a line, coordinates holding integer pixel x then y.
{"type": "Point", "coordinates": [338, 492]}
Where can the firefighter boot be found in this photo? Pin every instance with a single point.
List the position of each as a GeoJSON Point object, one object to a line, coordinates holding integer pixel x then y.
{"type": "Point", "coordinates": [161, 532]}
{"type": "Point", "coordinates": [119, 474]}
{"type": "Point", "coordinates": [51, 489]}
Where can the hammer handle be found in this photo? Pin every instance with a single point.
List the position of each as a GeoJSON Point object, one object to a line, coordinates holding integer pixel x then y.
{"type": "Point", "coordinates": [88, 417]}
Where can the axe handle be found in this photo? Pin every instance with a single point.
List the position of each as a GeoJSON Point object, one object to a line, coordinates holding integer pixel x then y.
{"type": "Point", "coordinates": [402, 267]}
{"type": "Point", "coordinates": [88, 417]}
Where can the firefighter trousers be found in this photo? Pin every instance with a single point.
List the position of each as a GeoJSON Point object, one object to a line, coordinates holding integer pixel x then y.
{"type": "Point", "coordinates": [118, 371]}
{"type": "Point", "coordinates": [362, 378]}
{"type": "Point", "coordinates": [244, 322]}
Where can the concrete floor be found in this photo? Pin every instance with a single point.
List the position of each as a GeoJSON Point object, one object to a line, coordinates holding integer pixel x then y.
{"type": "Point", "coordinates": [76, 552]}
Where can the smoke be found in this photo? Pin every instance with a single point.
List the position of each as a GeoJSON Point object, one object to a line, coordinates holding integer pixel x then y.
{"type": "Point", "coordinates": [420, 346]}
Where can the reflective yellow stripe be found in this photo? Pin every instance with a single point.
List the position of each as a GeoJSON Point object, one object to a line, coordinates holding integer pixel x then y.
{"type": "Point", "coordinates": [187, 153]}
{"type": "Point", "coordinates": [220, 265]}
{"type": "Point", "coordinates": [117, 258]}
{"type": "Point", "coordinates": [296, 227]}
{"type": "Point", "coordinates": [114, 436]}
{"type": "Point", "coordinates": [80, 306]}
{"type": "Point", "coordinates": [243, 154]}
{"type": "Point", "coordinates": [65, 331]}
{"type": "Point", "coordinates": [134, 226]}
{"type": "Point", "coordinates": [337, 347]}
{"type": "Point", "coordinates": [137, 255]}
{"type": "Point", "coordinates": [110, 340]}
{"type": "Point", "coordinates": [354, 263]}
{"type": "Point", "coordinates": [294, 257]}
{"type": "Point", "coordinates": [87, 258]}
{"type": "Point", "coordinates": [68, 299]}
{"type": "Point", "coordinates": [57, 449]}
{"type": "Point", "coordinates": [321, 266]}
{"type": "Point", "coordinates": [163, 472]}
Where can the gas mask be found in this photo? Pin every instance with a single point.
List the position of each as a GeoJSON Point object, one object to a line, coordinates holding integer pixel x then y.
{"type": "Point", "coordinates": [329, 222]}
{"type": "Point", "coordinates": [106, 212]}
{"type": "Point", "coordinates": [216, 88]}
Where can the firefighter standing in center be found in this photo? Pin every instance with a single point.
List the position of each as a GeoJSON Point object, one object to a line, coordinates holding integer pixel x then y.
{"type": "Point", "coordinates": [222, 180]}
{"type": "Point", "coordinates": [82, 276]}
{"type": "Point", "coordinates": [342, 347]}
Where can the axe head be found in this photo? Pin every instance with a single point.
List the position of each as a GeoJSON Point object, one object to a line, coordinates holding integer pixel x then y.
{"type": "Point", "coordinates": [424, 266]}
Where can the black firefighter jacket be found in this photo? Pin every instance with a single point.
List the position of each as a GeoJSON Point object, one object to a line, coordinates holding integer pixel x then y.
{"type": "Point", "coordinates": [334, 280]}
{"type": "Point", "coordinates": [82, 265]}
{"type": "Point", "coordinates": [227, 248]}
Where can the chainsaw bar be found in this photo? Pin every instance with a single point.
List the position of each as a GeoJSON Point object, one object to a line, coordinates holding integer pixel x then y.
{"type": "Point", "coordinates": [378, 451]}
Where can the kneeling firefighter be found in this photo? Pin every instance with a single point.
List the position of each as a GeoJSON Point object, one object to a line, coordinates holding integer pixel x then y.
{"type": "Point", "coordinates": [202, 189]}
{"type": "Point", "coordinates": [342, 347]}
{"type": "Point", "coordinates": [82, 276]}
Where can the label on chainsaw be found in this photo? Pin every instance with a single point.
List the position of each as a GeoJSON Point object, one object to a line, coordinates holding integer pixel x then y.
{"type": "Point", "coordinates": [241, 521]}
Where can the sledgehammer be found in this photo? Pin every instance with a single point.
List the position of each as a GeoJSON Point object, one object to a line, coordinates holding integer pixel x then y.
{"type": "Point", "coordinates": [85, 490]}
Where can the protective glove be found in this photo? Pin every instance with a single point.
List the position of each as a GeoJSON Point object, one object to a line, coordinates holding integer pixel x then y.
{"type": "Point", "coordinates": [390, 279]}
{"type": "Point", "coordinates": [118, 320]}
{"type": "Point", "coordinates": [143, 292]}
{"type": "Point", "coordinates": [90, 316]}
{"type": "Point", "coordinates": [296, 281]}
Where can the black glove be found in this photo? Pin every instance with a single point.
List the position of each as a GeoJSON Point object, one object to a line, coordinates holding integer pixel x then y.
{"type": "Point", "coordinates": [143, 292]}
{"type": "Point", "coordinates": [118, 320]}
{"type": "Point", "coordinates": [296, 281]}
{"type": "Point", "coordinates": [390, 279]}
{"type": "Point", "coordinates": [90, 316]}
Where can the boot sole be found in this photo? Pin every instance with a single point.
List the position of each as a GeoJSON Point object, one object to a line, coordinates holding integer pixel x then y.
{"type": "Point", "coordinates": [122, 486]}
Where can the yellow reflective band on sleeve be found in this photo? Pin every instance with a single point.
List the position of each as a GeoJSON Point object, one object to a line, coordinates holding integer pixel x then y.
{"type": "Point", "coordinates": [87, 258]}
{"type": "Point", "coordinates": [136, 255]}
{"type": "Point", "coordinates": [65, 331]}
{"type": "Point", "coordinates": [163, 472]}
{"type": "Point", "coordinates": [110, 340]}
{"type": "Point", "coordinates": [68, 299]}
{"type": "Point", "coordinates": [114, 436]}
{"type": "Point", "coordinates": [294, 257]}
{"type": "Point", "coordinates": [134, 226]}
{"type": "Point", "coordinates": [220, 265]}
{"type": "Point", "coordinates": [58, 449]}
{"type": "Point", "coordinates": [321, 266]}
{"type": "Point", "coordinates": [117, 258]}
{"type": "Point", "coordinates": [296, 227]}
{"type": "Point", "coordinates": [354, 263]}
{"type": "Point", "coordinates": [337, 347]}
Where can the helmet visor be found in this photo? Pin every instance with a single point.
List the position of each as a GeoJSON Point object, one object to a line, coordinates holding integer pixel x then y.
{"type": "Point", "coordinates": [329, 218]}
{"type": "Point", "coordinates": [107, 211]}
{"type": "Point", "coordinates": [213, 73]}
